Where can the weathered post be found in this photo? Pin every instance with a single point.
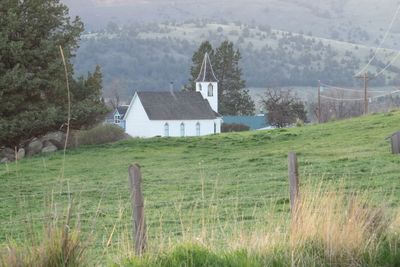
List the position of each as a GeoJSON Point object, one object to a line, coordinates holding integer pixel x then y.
{"type": "Point", "coordinates": [139, 224]}
{"type": "Point", "coordinates": [395, 139]}
{"type": "Point", "coordinates": [293, 181]}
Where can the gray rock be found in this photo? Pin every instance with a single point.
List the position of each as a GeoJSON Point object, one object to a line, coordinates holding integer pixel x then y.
{"type": "Point", "coordinates": [48, 147]}
{"type": "Point", "coordinates": [4, 160]}
{"type": "Point", "coordinates": [7, 153]}
{"type": "Point", "coordinates": [21, 153]}
{"type": "Point", "coordinates": [34, 147]}
{"type": "Point", "coordinates": [56, 138]}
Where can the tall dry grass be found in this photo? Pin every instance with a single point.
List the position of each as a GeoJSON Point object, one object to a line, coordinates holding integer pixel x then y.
{"type": "Point", "coordinates": [338, 229]}
{"type": "Point", "coordinates": [328, 228]}
{"type": "Point", "coordinates": [60, 245]}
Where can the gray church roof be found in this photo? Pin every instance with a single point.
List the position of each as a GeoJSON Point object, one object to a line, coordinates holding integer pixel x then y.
{"type": "Point", "coordinates": [176, 106]}
{"type": "Point", "coordinates": [206, 72]}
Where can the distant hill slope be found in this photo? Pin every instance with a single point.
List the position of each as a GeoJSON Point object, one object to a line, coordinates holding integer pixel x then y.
{"type": "Point", "coordinates": [361, 21]}
{"type": "Point", "coordinates": [149, 56]}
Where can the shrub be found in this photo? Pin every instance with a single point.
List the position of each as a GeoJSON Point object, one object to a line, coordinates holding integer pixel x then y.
{"type": "Point", "coordinates": [299, 123]}
{"type": "Point", "coordinates": [234, 127]}
{"type": "Point", "coordinates": [101, 134]}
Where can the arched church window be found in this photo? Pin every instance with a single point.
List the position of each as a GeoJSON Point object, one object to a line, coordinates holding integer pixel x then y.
{"type": "Point", "coordinates": [198, 128]}
{"type": "Point", "coordinates": [215, 128]}
{"type": "Point", "coordinates": [182, 129]}
{"type": "Point", "coordinates": [166, 129]}
{"type": "Point", "coordinates": [210, 90]}
{"type": "Point", "coordinates": [199, 87]}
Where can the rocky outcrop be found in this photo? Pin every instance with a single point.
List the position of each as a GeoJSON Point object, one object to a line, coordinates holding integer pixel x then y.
{"type": "Point", "coordinates": [51, 142]}
{"type": "Point", "coordinates": [49, 147]}
{"type": "Point", "coordinates": [7, 155]}
{"type": "Point", "coordinates": [34, 147]}
{"type": "Point", "coordinates": [56, 138]}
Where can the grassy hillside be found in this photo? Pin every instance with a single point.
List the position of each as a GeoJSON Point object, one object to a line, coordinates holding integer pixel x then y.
{"type": "Point", "coordinates": [190, 183]}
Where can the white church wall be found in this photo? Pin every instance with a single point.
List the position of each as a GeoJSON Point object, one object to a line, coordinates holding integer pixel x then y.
{"type": "Point", "coordinates": [139, 125]}
{"type": "Point", "coordinates": [190, 127]}
{"type": "Point", "coordinates": [212, 100]}
{"type": "Point", "coordinates": [218, 123]}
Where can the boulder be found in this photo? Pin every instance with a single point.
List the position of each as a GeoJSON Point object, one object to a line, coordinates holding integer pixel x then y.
{"type": "Point", "coordinates": [56, 138]}
{"type": "Point", "coordinates": [7, 153]}
{"type": "Point", "coordinates": [20, 153]}
{"type": "Point", "coordinates": [4, 160]}
{"type": "Point", "coordinates": [48, 147]}
{"type": "Point", "coordinates": [72, 139]}
{"type": "Point", "coordinates": [34, 147]}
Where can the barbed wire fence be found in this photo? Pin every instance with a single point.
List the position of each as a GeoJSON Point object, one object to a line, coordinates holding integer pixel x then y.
{"type": "Point", "coordinates": [187, 210]}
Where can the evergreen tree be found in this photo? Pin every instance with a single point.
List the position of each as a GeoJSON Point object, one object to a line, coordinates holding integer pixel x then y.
{"type": "Point", "coordinates": [233, 98]}
{"type": "Point", "coordinates": [87, 103]}
{"type": "Point", "coordinates": [33, 95]}
{"type": "Point", "coordinates": [197, 60]}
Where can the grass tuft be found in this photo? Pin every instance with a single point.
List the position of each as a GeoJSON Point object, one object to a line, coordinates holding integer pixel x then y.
{"type": "Point", "coordinates": [60, 246]}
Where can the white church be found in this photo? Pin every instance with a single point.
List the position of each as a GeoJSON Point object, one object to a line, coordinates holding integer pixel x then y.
{"type": "Point", "coordinates": [177, 114]}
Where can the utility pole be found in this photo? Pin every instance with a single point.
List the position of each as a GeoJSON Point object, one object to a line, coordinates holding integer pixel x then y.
{"type": "Point", "coordinates": [319, 102]}
{"type": "Point", "coordinates": [366, 78]}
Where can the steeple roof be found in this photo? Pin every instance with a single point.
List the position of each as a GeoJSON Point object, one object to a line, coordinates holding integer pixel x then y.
{"type": "Point", "coordinates": [206, 72]}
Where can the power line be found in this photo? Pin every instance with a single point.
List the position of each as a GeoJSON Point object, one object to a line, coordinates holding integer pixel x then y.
{"type": "Point", "coordinates": [391, 93]}
{"type": "Point", "coordinates": [381, 43]}
{"type": "Point", "coordinates": [342, 99]}
{"type": "Point", "coordinates": [339, 88]}
{"type": "Point", "coordinates": [351, 90]}
{"type": "Point", "coordinates": [359, 99]}
{"type": "Point", "coordinates": [388, 65]}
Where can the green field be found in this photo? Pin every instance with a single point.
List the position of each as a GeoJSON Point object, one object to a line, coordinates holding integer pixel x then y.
{"type": "Point", "coordinates": [192, 184]}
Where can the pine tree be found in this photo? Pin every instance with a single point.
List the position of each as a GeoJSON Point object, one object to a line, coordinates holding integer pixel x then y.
{"type": "Point", "coordinates": [197, 60]}
{"type": "Point", "coordinates": [87, 102]}
{"type": "Point", "coordinates": [33, 95]}
{"type": "Point", "coordinates": [233, 98]}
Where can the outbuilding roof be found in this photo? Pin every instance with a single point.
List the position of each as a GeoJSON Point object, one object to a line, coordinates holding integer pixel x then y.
{"type": "Point", "coordinates": [206, 72]}
{"type": "Point", "coordinates": [176, 106]}
{"type": "Point", "coordinates": [122, 110]}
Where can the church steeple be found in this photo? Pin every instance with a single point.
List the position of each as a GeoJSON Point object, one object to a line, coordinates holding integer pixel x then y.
{"type": "Point", "coordinates": [206, 72]}
{"type": "Point", "coordinates": [207, 83]}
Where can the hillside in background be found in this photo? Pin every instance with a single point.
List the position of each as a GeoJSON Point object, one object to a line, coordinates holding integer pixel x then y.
{"type": "Point", "coordinates": [150, 56]}
{"type": "Point", "coordinates": [360, 21]}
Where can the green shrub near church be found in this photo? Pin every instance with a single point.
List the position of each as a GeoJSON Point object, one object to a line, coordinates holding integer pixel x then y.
{"type": "Point", "coordinates": [101, 134]}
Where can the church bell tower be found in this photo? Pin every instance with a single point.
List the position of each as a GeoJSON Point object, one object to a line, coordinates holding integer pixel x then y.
{"type": "Point", "coordinates": [207, 83]}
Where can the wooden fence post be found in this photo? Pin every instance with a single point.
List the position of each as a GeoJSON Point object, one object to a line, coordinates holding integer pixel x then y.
{"type": "Point", "coordinates": [395, 139]}
{"type": "Point", "coordinates": [139, 224]}
{"type": "Point", "coordinates": [293, 181]}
